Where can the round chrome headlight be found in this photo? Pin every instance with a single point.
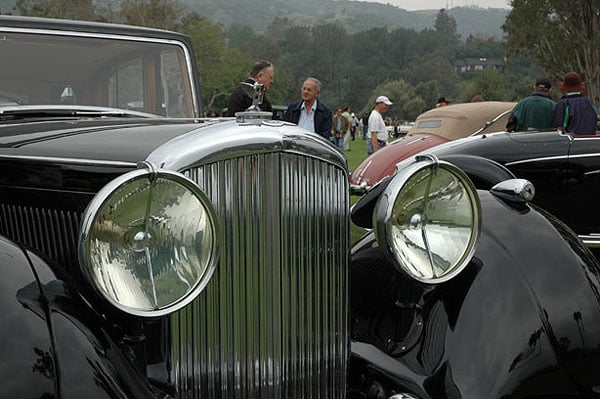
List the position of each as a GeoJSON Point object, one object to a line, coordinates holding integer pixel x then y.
{"type": "Point", "coordinates": [149, 242]}
{"type": "Point", "coordinates": [428, 220]}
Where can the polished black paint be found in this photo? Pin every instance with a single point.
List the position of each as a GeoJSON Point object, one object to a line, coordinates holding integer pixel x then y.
{"type": "Point", "coordinates": [106, 139]}
{"type": "Point", "coordinates": [522, 320]}
{"type": "Point", "coordinates": [564, 169]}
{"type": "Point", "coordinates": [55, 345]}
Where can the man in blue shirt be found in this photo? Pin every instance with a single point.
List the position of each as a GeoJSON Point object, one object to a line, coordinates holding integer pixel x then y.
{"type": "Point", "coordinates": [310, 113]}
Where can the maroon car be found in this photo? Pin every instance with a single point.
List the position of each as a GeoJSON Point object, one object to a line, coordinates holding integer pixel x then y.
{"type": "Point", "coordinates": [431, 128]}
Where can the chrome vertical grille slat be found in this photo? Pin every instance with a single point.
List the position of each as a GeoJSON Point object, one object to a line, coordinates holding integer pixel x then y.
{"type": "Point", "coordinates": [273, 321]}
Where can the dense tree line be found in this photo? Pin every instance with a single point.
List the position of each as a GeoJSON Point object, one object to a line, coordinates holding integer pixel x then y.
{"type": "Point", "coordinates": [412, 67]}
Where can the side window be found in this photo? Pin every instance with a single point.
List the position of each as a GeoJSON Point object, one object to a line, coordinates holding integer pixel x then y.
{"type": "Point", "coordinates": [126, 87]}
{"type": "Point", "coordinates": [174, 84]}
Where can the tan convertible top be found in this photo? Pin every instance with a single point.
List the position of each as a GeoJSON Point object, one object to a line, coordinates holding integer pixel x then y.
{"type": "Point", "coordinates": [462, 120]}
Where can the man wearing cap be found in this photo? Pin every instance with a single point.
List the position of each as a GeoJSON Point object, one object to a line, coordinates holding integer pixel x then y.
{"type": "Point", "coordinates": [535, 111]}
{"type": "Point", "coordinates": [377, 131]}
{"type": "Point", "coordinates": [574, 113]}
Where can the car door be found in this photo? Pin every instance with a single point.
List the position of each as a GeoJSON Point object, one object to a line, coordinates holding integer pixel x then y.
{"type": "Point", "coordinates": [543, 159]}
{"type": "Point", "coordinates": [582, 207]}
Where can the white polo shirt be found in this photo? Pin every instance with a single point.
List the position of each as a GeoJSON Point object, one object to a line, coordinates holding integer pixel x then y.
{"type": "Point", "coordinates": [377, 124]}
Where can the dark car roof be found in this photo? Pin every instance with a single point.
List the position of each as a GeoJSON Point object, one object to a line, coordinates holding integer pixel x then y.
{"type": "Point", "coordinates": [88, 27]}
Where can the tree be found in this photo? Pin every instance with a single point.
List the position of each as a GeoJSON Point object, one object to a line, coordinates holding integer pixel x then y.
{"type": "Point", "coordinates": [407, 103]}
{"type": "Point", "coordinates": [221, 68]}
{"type": "Point", "coordinates": [560, 35]}
{"type": "Point", "coordinates": [488, 83]}
{"type": "Point", "coordinates": [445, 24]}
{"type": "Point", "coordinates": [163, 14]}
{"type": "Point", "coordinates": [62, 9]}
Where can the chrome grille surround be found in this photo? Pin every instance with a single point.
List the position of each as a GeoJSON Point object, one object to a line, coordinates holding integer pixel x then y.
{"type": "Point", "coordinates": [272, 323]}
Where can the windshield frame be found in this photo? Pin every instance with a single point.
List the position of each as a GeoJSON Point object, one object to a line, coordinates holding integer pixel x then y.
{"type": "Point", "coordinates": [181, 45]}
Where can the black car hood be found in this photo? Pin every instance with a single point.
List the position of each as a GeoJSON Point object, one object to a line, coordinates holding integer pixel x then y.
{"type": "Point", "coordinates": [113, 139]}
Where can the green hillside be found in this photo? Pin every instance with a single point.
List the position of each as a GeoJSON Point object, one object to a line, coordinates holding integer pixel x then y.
{"type": "Point", "coordinates": [354, 16]}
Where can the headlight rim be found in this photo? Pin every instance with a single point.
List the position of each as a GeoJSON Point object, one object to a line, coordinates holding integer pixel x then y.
{"type": "Point", "coordinates": [101, 198]}
{"type": "Point", "coordinates": [385, 204]}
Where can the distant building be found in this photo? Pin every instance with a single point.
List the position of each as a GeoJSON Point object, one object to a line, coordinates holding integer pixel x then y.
{"type": "Point", "coordinates": [478, 64]}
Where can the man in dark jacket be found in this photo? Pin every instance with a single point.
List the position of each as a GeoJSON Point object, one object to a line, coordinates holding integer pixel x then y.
{"type": "Point", "coordinates": [575, 113]}
{"type": "Point", "coordinates": [262, 72]}
{"type": "Point", "coordinates": [310, 113]}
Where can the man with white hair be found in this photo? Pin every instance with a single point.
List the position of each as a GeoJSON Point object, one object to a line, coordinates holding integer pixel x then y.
{"type": "Point", "coordinates": [310, 113]}
{"type": "Point", "coordinates": [377, 130]}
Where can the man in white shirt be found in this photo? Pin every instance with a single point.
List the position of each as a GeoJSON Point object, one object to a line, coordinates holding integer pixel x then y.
{"type": "Point", "coordinates": [377, 131]}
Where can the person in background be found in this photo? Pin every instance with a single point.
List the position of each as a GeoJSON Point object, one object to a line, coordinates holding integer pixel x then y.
{"type": "Point", "coordinates": [574, 113]}
{"type": "Point", "coordinates": [533, 112]}
{"type": "Point", "coordinates": [262, 72]}
{"type": "Point", "coordinates": [477, 98]}
{"type": "Point", "coordinates": [442, 102]}
{"type": "Point", "coordinates": [338, 127]}
{"type": "Point", "coordinates": [353, 126]}
{"type": "Point", "coordinates": [377, 130]}
{"type": "Point", "coordinates": [310, 113]}
{"type": "Point", "coordinates": [365, 122]}
{"type": "Point", "coordinates": [346, 114]}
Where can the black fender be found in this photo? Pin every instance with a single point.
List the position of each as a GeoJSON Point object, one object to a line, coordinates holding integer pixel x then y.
{"type": "Point", "coordinates": [521, 320]}
{"type": "Point", "coordinates": [28, 368]}
{"type": "Point", "coordinates": [483, 172]}
{"type": "Point", "coordinates": [57, 344]}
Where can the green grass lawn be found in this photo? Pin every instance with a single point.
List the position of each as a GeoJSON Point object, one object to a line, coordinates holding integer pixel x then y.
{"type": "Point", "coordinates": [358, 152]}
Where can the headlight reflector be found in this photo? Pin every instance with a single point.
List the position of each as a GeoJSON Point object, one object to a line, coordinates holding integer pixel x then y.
{"type": "Point", "coordinates": [428, 220]}
{"type": "Point", "coordinates": [149, 242]}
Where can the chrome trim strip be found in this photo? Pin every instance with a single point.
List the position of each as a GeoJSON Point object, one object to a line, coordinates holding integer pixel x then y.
{"type": "Point", "coordinates": [490, 122]}
{"type": "Point", "coordinates": [591, 154]}
{"type": "Point", "coordinates": [591, 240]}
{"type": "Point", "coordinates": [556, 157]}
{"type": "Point", "coordinates": [188, 58]}
{"type": "Point", "coordinates": [74, 161]}
{"type": "Point", "coordinates": [566, 157]}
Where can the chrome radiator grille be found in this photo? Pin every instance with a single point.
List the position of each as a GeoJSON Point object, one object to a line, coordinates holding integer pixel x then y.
{"type": "Point", "coordinates": [272, 323]}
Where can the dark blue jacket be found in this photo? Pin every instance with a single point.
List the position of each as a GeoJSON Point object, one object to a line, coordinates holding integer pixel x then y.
{"type": "Point", "coordinates": [323, 117]}
{"type": "Point", "coordinates": [575, 114]}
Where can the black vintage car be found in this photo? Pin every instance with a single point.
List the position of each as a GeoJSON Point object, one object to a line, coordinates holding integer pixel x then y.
{"type": "Point", "coordinates": [147, 252]}
{"type": "Point", "coordinates": [564, 168]}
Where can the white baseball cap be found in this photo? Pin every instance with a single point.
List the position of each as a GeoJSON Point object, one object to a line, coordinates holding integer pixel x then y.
{"type": "Point", "coordinates": [383, 99]}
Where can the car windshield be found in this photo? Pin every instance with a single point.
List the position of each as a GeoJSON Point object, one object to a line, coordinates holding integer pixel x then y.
{"type": "Point", "coordinates": [48, 69]}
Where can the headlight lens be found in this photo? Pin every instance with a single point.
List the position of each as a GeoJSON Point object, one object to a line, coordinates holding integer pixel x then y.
{"type": "Point", "coordinates": [428, 219]}
{"type": "Point", "coordinates": [149, 242]}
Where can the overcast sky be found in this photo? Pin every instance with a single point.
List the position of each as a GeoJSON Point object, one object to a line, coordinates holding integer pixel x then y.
{"type": "Point", "coordinates": [412, 5]}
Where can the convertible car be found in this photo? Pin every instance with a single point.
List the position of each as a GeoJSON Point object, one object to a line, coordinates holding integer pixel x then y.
{"type": "Point", "coordinates": [147, 252]}
{"type": "Point", "coordinates": [434, 127]}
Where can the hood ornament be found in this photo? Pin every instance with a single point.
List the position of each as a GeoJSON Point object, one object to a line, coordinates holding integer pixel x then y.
{"type": "Point", "coordinates": [253, 114]}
